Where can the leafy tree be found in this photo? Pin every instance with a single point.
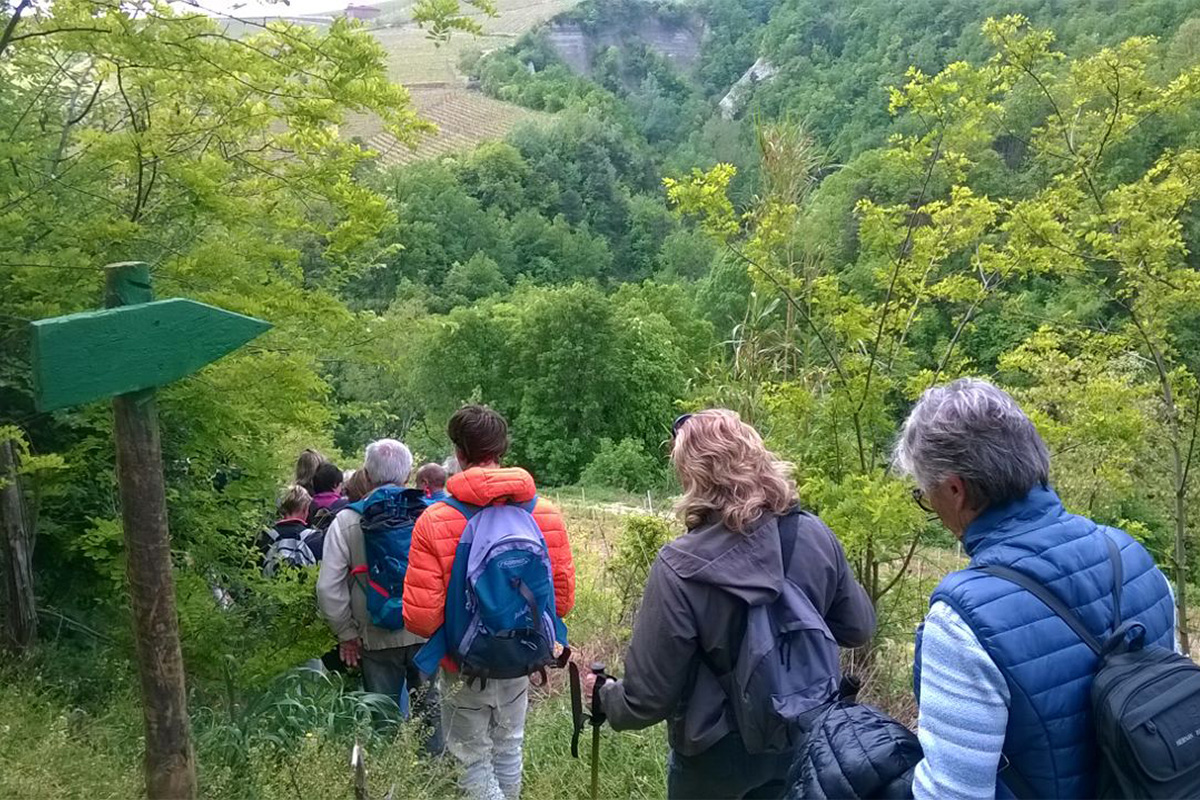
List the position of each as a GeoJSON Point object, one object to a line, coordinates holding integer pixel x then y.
{"type": "Point", "coordinates": [1103, 213]}
{"type": "Point", "coordinates": [479, 277]}
{"type": "Point", "coordinates": [623, 465]}
{"type": "Point", "coordinates": [685, 255]}
{"type": "Point", "coordinates": [569, 367]}
{"type": "Point", "coordinates": [844, 347]}
{"type": "Point", "coordinates": [497, 176]}
{"type": "Point", "coordinates": [650, 223]}
{"type": "Point", "coordinates": [142, 131]}
{"type": "Point", "coordinates": [553, 252]}
{"type": "Point", "coordinates": [837, 60]}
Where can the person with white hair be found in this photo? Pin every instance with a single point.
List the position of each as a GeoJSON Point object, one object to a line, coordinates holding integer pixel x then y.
{"type": "Point", "coordinates": [1003, 681]}
{"type": "Point", "coordinates": [361, 583]}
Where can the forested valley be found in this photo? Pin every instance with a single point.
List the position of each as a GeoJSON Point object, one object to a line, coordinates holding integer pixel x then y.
{"type": "Point", "coordinates": [811, 215]}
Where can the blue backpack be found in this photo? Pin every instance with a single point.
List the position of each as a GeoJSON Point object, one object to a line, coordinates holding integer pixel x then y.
{"type": "Point", "coordinates": [387, 518]}
{"type": "Point", "coordinates": [500, 609]}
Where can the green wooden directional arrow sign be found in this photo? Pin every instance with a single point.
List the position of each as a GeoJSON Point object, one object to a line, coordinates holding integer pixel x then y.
{"type": "Point", "coordinates": [83, 357]}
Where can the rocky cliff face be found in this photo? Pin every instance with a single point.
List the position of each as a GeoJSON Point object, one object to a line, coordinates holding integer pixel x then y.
{"type": "Point", "coordinates": [732, 103]}
{"type": "Point", "coordinates": [678, 42]}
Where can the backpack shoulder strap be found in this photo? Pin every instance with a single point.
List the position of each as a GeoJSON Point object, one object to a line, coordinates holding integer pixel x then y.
{"type": "Point", "coordinates": [466, 509]}
{"type": "Point", "coordinates": [1114, 555]}
{"type": "Point", "coordinates": [1050, 599]}
{"type": "Point", "coordinates": [1058, 606]}
{"type": "Point", "coordinates": [789, 532]}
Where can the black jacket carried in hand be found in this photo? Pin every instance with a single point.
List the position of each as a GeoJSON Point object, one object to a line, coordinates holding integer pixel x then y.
{"type": "Point", "coordinates": [855, 752]}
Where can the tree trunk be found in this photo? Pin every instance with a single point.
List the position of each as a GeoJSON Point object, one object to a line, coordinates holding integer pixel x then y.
{"type": "Point", "coordinates": [20, 628]}
{"type": "Point", "coordinates": [170, 763]}
{"type": "Point", "coordinates": [1181, 576]}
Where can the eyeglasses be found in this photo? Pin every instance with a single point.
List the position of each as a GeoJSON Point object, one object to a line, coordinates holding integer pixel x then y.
{"type": "Point", "coordinates": [918, 496]}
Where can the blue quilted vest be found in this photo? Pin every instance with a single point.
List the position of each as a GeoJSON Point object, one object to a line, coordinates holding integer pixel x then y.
{"type": "Point", "coordinates": [1049, 670]}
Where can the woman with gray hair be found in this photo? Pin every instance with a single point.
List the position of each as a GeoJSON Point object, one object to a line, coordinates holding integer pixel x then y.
{"type": "Point", "coordinates": [1001, 678]}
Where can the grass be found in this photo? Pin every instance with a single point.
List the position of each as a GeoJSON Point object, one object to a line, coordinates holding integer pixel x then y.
{"type": "Point", "coordinates": [70, 723]}
{"type": "Point", "coordinates": [47, 751]}
{"type": "Point", "coordinates": [55, 751]}
{"type": "Point", "coordinates": [294, 742]}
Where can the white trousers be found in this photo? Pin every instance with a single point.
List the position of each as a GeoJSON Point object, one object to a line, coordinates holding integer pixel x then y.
{"type": "Point", "coordinates": [484, 731]}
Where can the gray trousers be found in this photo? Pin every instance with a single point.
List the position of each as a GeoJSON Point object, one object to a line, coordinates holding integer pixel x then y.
{"type": "Point", "coordinates": [391, 671]}
{"type": "Point", "coordinates": [485, 728]}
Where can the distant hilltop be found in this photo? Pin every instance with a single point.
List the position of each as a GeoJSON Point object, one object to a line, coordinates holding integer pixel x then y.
{"type": "Point", "coordinates": [357, 11]}
{"type": "Point", "coordinates": [361, 11]}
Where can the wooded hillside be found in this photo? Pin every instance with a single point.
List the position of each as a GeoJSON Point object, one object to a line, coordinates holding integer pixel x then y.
{"type": "Point", "coordinates": [920, 191]}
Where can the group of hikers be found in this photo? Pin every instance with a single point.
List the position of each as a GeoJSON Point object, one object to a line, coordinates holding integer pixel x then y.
{"type": "Point", "coordinates": [1048, 667]}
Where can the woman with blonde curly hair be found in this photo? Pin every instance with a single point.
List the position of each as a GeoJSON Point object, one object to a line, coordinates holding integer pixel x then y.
{"type": "Point", "coordinates": [747, 544]}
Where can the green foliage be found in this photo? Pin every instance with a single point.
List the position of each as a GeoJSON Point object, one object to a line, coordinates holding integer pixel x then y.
{"type": "Point", "coordinates": [623, 465]}
{"type": "Point", "coordinates": [443, 17]}
{"type": "Point", "coordinates": [49, 750]}
{"type": "Point", "coordinates": [641, 538]}
{"type": "Point", "coordinates": [476, 279]}
{"type": "Point", "coordinates": [685, 255]}
{"type": "Point", "coordinates": [836, 60]}
{"type": "Point", "coordinates": [146, 132]}
{"type": "Point", "coordinates": [1088, 236]}
{"type": "Point", "coordinates": [301, 704]}
{"type": "Point", "coordinates": [568, 367]}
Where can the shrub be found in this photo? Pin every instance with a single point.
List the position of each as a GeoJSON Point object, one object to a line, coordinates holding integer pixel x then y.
{"type": "Point", "coordinates": [641, 539]}
{"type": "Point", "coordinates": [624, 465]}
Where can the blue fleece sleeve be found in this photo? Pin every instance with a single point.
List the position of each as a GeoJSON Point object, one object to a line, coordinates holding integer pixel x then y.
{"type": "Point", "coordinates": [963, 715]}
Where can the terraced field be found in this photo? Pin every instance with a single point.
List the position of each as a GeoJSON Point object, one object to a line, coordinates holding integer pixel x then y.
{"type": "Point", "coordinates": [464, 118]}
{"type": "Point", "coordinates": [413, 58]}
{"type": "Point", "coordinates": [430, 71]}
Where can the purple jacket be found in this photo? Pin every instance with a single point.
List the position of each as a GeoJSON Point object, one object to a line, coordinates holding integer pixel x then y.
{"type": "Point", "coordinates": [325, 499]}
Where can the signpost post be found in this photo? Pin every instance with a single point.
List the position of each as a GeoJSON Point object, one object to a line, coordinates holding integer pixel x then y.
{"type": "Point", "coordinates": [125, 352]}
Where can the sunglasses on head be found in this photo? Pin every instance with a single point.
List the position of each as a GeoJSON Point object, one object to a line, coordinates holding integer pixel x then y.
{"type": "Point", "coordinates": [678, 424]}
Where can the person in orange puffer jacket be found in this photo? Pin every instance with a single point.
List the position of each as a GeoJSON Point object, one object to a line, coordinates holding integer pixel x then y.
{"type": "Point", "coordinates": [484, 724]}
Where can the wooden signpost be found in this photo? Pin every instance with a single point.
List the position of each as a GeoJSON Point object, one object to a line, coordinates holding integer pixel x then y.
{"type": "Point", "coordinates": [125, 352]}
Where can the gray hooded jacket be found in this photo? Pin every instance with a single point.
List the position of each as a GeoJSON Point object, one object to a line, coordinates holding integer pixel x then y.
{"type": "Point", "coordinates": [693, 615]}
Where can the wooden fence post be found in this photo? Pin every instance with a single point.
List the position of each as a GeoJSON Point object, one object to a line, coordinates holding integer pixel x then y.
{"type": "Point", "coordinates": [169, 761]}
{"type": "Point", "coordinates": [16, 553]}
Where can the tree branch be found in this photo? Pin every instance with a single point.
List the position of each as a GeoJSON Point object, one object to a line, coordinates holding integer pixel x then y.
{"type": "Point", "coordinates": [88, 108]}
{"type": "Point", "coordinates": [912, 549]}
{"type": "Point", "coordinates": [7, 36]}
{"type": "Point", "coordinates": [52, 31]}
{"type": "Point", "coordinates": [1187, 465]}
{"type": "Point", "coordinates": [908, 237]}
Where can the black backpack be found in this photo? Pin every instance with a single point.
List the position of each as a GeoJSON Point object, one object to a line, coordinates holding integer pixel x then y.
{"type": "Point", "coordinates": [321, 518]}
{"type": "Point", "coordinates": [1145, 704]}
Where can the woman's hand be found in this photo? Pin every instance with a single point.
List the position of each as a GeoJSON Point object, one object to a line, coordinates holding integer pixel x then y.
{"type": "Point", "coordinates": [589, 685]}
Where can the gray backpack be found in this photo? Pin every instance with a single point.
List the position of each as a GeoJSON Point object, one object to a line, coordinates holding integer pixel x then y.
{"type": "Point", "coordinates": [787, 663]}
{"type": "Point", "coordinates": [292, 551]}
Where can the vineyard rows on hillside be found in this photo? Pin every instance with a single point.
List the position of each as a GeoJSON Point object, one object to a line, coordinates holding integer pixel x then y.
{"type": "Point", "coordinates": [464, 119]}
{"type": "Point", "coordinates": [414, 58]}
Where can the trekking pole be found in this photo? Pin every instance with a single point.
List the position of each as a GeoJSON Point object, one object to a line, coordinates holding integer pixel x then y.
{"type": "Point", "coordinates": [580, 718]}
{"type": "Point", "coordinates": [597, 721]}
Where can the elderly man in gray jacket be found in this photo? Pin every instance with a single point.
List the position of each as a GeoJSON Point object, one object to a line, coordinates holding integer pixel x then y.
{"type": "Point", "coordinates": [386, 656]}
